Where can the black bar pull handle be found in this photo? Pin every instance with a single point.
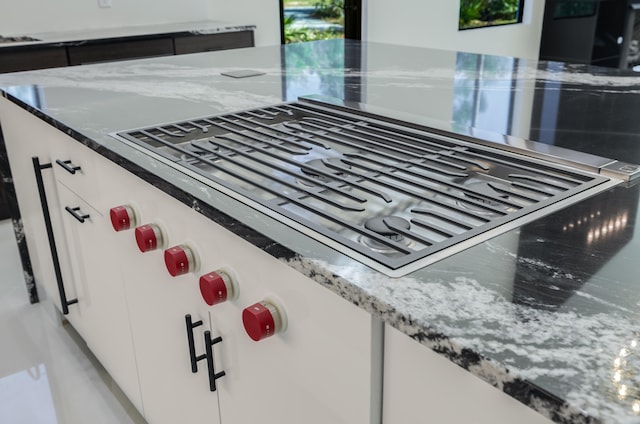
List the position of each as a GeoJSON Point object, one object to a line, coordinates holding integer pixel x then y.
{"type": "Point", "coordinates": [37, 168]}
{"type": "Point", "coordinates": [77, 213]}
{"type": "Point", "coordinates": [68, 166]}
{"type": "Point", "coordinates": [213, 376]}
{"type": "Point", "coordinates": [192, 347]}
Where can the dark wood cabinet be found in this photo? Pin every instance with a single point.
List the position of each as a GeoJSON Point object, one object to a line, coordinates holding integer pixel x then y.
{"type": "Point", "coordinates": [14, 59]}
{"type": "Point", "coordinates": [30, 56]}
{"type": "Point", "coordinates": [107, 51]}
{"type": "Point", "coordinates": [212, 42]}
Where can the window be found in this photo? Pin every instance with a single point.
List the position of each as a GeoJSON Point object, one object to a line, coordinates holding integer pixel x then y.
{"type": "Point", "coordinates": [310, 20]}
{"type": "Point", "coordinates": [574, 9]}
{"type": "Point", "coordinates": [485, 13]}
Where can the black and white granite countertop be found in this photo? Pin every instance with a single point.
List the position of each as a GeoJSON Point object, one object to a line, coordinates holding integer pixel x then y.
{"type": "Point", "coordinates": [548, 312]}
{"type": "Point", "coordinates": [78, 37]}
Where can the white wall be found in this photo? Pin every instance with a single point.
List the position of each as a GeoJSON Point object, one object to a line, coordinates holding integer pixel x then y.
{"type": "Point", "coordinates": [263, 13]}
{"type": "Point", "coordinates": [19, 17]}
{"type": "Point", "coordinates": [434, 23]}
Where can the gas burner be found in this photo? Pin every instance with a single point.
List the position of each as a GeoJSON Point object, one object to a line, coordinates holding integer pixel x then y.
{"type": "Point", "coordinates": [383, 225]}
{"type": "Point", "coordinates": [463, 188]}
{"type": "Point", "coordinates": [492, 189]}
{"type": "Point", "coordinates": [321, 165]}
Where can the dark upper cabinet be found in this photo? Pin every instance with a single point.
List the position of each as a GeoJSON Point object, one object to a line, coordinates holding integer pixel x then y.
{"type": "Point", "coordinates": [14, 59]}
{"type": "Point", "coordinates": [107, 51]}
{"type": "Point", "coordinates": [28, 57]}
{"type": "Point", "coordinates": [212, 42]}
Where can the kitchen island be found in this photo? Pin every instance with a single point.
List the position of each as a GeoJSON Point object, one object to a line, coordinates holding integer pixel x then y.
{"type": "Point", "coordinates": [546, 313]}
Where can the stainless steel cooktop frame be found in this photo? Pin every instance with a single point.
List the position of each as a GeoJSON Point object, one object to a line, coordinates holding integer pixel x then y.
{"type": "Point", "coordinates": [600, 174]}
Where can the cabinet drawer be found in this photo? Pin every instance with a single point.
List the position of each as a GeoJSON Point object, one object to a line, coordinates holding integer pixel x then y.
{"type": "Point", "coordinates": [13, 60]}
{"type": "Point", "coordinates": [119, 50]}
{"type": "Point", "coordinates": [74, 166]}
{"type": "Point", "coordinates": [212, 42]}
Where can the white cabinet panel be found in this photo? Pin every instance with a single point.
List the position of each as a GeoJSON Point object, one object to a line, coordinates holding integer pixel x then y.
{"type": "Point", "coordinates": [25, 138]}
{"type": "Point", "coordinates": [423, 386]}
{"type": "Point", "coordinates": [158, 303]}
{"type": "Point", "coordinates": [317, 371]}
{"type": "Point", "coordinates": [102, 304]}
{"type": "Point", "coordinates": [131, 312]}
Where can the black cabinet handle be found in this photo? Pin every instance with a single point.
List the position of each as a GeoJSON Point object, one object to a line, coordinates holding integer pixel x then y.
{"type": "Point", "coordinates": [37, 168]}
{"type": "Point", "coordinates": [192, 347]}
{"type": "Point", "coordinates": [68, 166]}
{"type": "Point", "coordinates": [74, 213]}
{"type": "Point", "coordinates": [213, 376]}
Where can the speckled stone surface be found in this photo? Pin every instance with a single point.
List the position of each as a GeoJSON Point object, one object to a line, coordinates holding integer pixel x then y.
{"type": "Point", "coordinates": [547, 312]}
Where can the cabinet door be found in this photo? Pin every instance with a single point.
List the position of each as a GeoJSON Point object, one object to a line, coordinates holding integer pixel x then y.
{"type": "Point", "coordinates": [303, 375]}
{"type": "Point", "coordinates": [321, 369]}
{"type": "Point", "coordinates": [171, 392]}
{"type": "Point", "coordinates": [105, 51]}
{"type": "Point", "coordinates": [102, 303]}
{"type": "Point", "coordinates": [158, 305]}
{"type": "Point", "coordinates": [420, 383]}
{"type": "Point", "coordinates": [13, 59]}
{"type": "Point", "coordinates": [25, 138]}
{"type": "Point", "coordinates": [213, 42]}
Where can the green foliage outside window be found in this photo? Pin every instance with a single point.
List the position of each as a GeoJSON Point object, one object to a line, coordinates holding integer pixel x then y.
{"type": "Point", "coordinates": [330, 11]}
{"type": "Point", "coordinates": [482, 13]}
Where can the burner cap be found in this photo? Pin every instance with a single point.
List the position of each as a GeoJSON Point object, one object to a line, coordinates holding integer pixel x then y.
{"type": "Point", "coordinates": [488, 189]}
{"type": "Point", "coordinates": [320, 165]}
{"type": "Point", "coordinates": [381, 225]}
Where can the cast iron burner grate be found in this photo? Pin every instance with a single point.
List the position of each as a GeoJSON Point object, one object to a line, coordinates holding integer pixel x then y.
{"type": "Point", "coordinates": [330, 171]}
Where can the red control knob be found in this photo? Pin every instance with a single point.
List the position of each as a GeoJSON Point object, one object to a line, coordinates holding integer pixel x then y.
{"type": "Point", "coordinates": [122, 217]}
{"type": "Point", "coordinates": [216, 287]}
{"type": "Point", "coordinates": [262, 320]}
{"type": "Point", "coordinates": [179, 260]}
{"type": "Point", "coordinates": [148, 237]}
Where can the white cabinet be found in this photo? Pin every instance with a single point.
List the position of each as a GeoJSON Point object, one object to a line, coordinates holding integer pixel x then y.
{"type": "Point", "coordinates": [101, 300]}
{"type": "Point", "coordinates": [317, 371]}
{"type": "Point", "coordinates": [158, 305]}
{"type": "Point", "coordinates": [420, 383]}
{"type": "Point", "coordinates": [132, 313]}
{"type": "Point", "coordinates": [326, 367]}
{"type": "Point", "coordinates": [99, 312]}
{"type": "Point", "coordinates": [26, 138]}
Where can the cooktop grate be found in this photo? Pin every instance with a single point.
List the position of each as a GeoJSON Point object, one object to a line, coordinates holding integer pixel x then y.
{"type": "Point", "coordinates": [386, 191]}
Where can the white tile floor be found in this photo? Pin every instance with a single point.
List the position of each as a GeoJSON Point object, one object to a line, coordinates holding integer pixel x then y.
{"type": "Point", "coordinates": [47, 375]}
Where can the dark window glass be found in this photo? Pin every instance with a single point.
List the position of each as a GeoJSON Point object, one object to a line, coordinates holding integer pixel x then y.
{"type": "Point", "coordinates": [574, 9]}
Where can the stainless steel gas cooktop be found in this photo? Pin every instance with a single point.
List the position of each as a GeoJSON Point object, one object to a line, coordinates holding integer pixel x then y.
{"type": "Point", "coordinates": [392, 195]}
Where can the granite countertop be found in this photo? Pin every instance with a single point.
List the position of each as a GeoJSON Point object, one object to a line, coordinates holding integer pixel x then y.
{"type": "Point", "coordinates": [77, 37]}
{"type": "Point", "coordinates": [547, 312]}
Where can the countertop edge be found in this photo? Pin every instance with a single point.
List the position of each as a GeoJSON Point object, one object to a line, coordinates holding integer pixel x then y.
{"type": "Point", "coordinates": [198, 29]}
